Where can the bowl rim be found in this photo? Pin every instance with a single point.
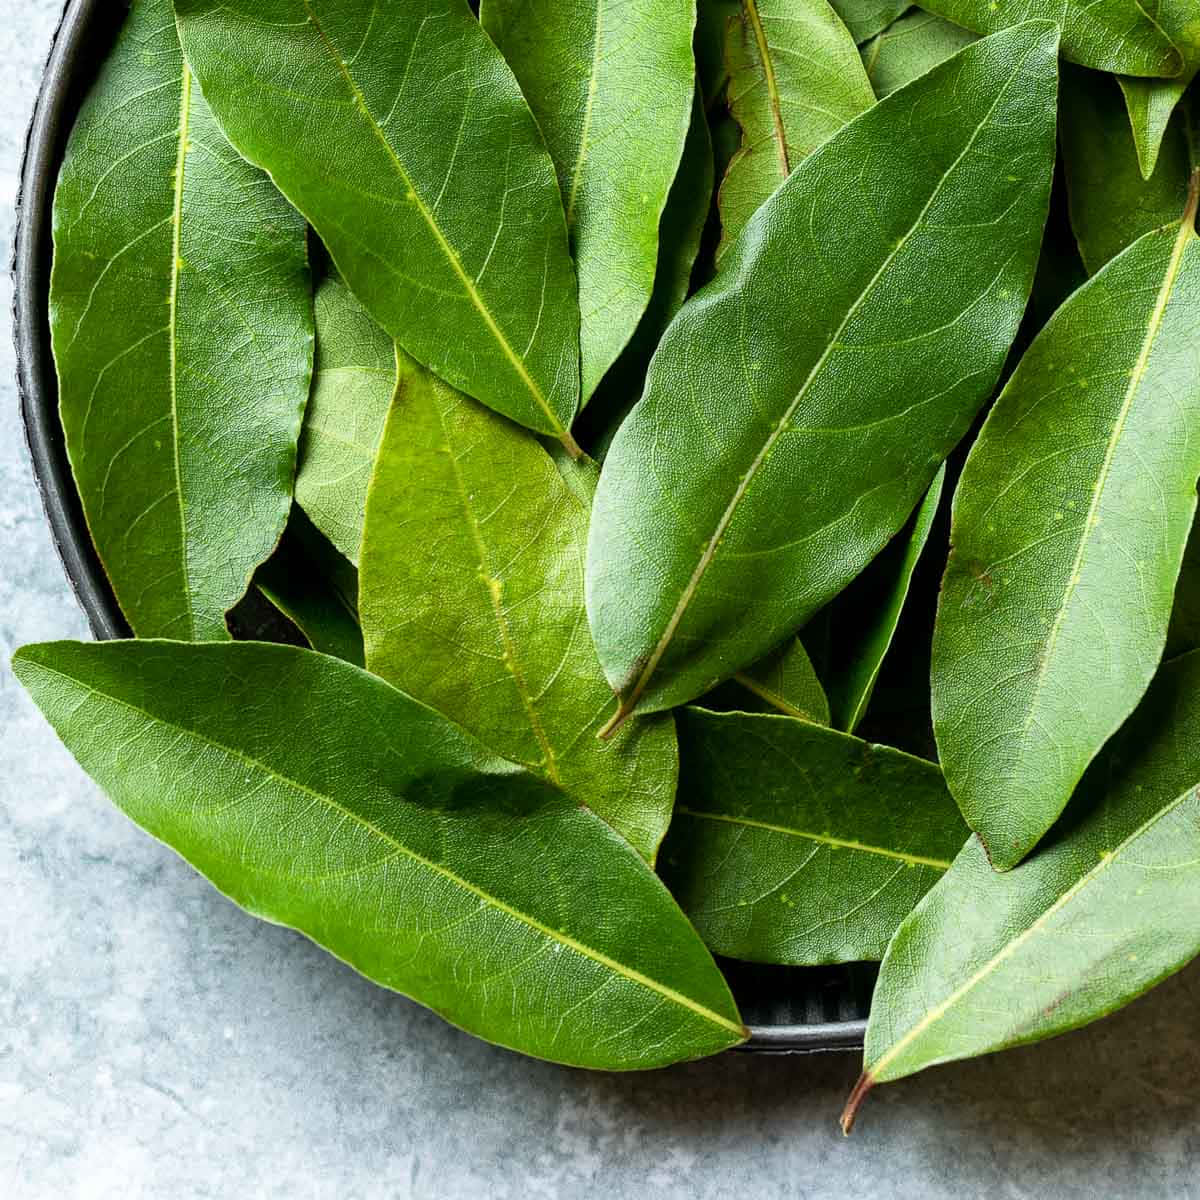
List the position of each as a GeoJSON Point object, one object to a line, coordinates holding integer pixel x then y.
{"type": "Point", "coordinates": [55, 108]}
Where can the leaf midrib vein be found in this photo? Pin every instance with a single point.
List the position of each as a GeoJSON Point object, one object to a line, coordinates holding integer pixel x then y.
{"type": "Point", "coordinates": [750, 7]}
{"type": "Point", "coordinates": [581, 948]}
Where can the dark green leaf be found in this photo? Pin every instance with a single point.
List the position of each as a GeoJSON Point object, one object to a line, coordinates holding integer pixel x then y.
{"type": "Point", "coordinates": [795, 78]}
{"type": "Point", "coordinates": [1111, 204]}
{"type": "Point", "coordinates": [397, 129]}
{"type": "Point", "coordinates": [866, 18]}
{"type": "Point", "coordinates": [182, 324]}
{"type": "Point", "coordinates": [1183, 633]}
{"type": "Point", "coordinates": [712, 20]}
{"type": "Point", "coordinates": [787, 682]}
{"type": "Point", "coordinates": [1105, 910]}
{"type": "Point", "coordinates": [1069, 527]}
{"type": "Point", "coordinates": [353, 381]}
{"type": "Point", "coordinates": [1110, 35]}
{"type": "Point", "coordinates": [719, 527]}
{"type": "Point", "coordinates": [472, 602]}
{"type": "Point", "coordinates": [796, 844]}
{"type": "Point", "coordinates": [611, 87]}
{"type": "Point", "coordinates": [908, 48]}
{"type": "Point", "coordinates": [318, 797]}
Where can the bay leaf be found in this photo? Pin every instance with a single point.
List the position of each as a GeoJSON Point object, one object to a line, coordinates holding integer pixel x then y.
{"type": "Point", "coordinates": [472, 602]}
{"type": "Point", "coordinates": [801, 845]}
{"type": "Point", "coordinates": [909, 47]}
{"type": "Point", "coordinates": [354, 377]}
{"type": "Point", "coordinates": [867, 615]}
{"type": "Point", "coordinates": [1107, 908]}
{"type": "Point", "coordinates": [720, 527]}
{"type": "Point", "coordinates": [1068, 531]}
{"type": "Point", "coordinates": [397, 129]}
{"type": "Point", "coordinates": [1152, 101]}
{"type": "Point", "coordinates": [611, 87]}
{"type": "Point", "coordinates": [795, 78]}
{"type": "Point", "coordinates": [316, 589]}
{"type": "Point", "coordinates": [787, 682]}
{"type": "Point", "coordinates": [712, 21]}
{"type": "Point", "coordinates": [318, 797]}
{"type": "Point", "coordinates": [1183, 632]}
{"type": "Point", "coordinates": [866, 18]}
{"type": "Point", "coordinates": [1111, 204]}
{"type": "Point", "coordinates": [1109, 35]}
{"type": "Point", "coordinates": [181, 319]}
{"type": "Point", "coordinates": [680, 233]}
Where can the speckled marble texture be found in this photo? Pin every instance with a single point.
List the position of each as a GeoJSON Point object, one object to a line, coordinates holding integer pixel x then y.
{"type": "Point", "coordinates": [158, 1044]}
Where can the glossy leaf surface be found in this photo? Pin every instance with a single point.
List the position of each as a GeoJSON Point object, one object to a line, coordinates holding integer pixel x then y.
{"type": "Point", "coordinates": [1109, 35]}
{"type": "Point", "coordinates": [182, 328]}
{"type": "Point", "coordinates": [866, 18]}
{"type": "Point", "coordinates": [472, 601]}
{"type": "Point", "coordinates": [354, 378]}
{"type": "Point", "coordinates": [1069, 527]}
{"type": "Point", "coordinates": [318, 797]}
{"type": "Point", "coordinates": [719, 527]}
{"type": "Point", "coordinates": [611, 87]}
{"type": "Point", "coordinates": [1111, 204]}
{"type": "Point", "coordinates": [397, 129]}
{"type": "Point", "coordinates": [909, 47]}
{"type": "Point", "coordinates": [795, 78]}
{"type": "Point", "coordinates": [1106, 909]}
{"type": "Point", "coordinates": [867, 615]}
{"type": "Point", "coordinates": [797, 844]}
{"type": "Point", "coordinates": [1152, 101]}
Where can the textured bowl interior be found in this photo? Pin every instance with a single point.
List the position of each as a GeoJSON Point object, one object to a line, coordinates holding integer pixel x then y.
{"type": "Point", "coordinates": [789, 1009]}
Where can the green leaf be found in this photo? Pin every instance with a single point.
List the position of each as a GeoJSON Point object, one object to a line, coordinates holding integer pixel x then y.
{"type": "Point", "coordinates": [866, 18]}
{"type": "Point", "coordinates": [1111, 204]}
{"type": "Point", "coordinates": [472, 602]}
{"type": "Point", "coordinates": [719, 528]}
{"type": "Point", "coordinates": [712, 20]}
{"type": "Point", "coordinates": [1152, 101]}
{"type": "Point", "coordinates": [397, 129]}
{"type": "Point", "coordinates": [867, 615]}
{"type": "Point", "coordinates": [354, 379]}
{"type": "Point", "coordinates": [795, 78]}
{"type": "Point", "coordinates": [1183, 633]}
{"type": "Point", "coordinates": [1110, 35]}
{"type": "Point", "coordinates": [1069, 527]}
{"type": "Point", "coordinates": [611, 87]}
{"type": "Point", "coordinates": [787, 682]}
{"type": "Point", "coordinates": [181, 318]}
{"type": "Point", "coordinates": [318, 797]}
{"type": "Point", "coordinates": [909, 47]}
{"type": "Point", "coordinates": [799, 845]}
{"type": "Point", "coordinates": [316, 589]}
{"type": "Point", "coordinates": [1108, 908]}
{"type": "Point", "coordinates": [680, 234]}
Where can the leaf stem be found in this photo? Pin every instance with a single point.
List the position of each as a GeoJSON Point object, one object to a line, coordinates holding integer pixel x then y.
{"type": "Point", "coordinates": [857, 1096]}
{"type": "Point", "coordinates": [570, 445]}
{"type": "Point", "coordinates": [623, 713]}
{"type": "Point", "coordinates": [1193, 201]}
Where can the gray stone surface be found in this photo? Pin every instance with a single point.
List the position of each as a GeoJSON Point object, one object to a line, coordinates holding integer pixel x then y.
{"type": "Point", "coordinates": [155, 1042]}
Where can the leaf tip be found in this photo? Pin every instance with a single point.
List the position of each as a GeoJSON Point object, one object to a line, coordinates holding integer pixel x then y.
{"type": "Point", "coordinates": [854, 1103]}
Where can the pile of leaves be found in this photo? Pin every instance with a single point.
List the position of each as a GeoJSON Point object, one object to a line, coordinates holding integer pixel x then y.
{"type": "Point", "coordinates": [580, 390]}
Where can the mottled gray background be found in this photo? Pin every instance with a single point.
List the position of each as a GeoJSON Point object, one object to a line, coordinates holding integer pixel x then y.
{"type": "Point", "coordinates": [156, 1042]}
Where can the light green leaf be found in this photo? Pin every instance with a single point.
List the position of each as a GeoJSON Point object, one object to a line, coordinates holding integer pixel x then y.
{"type": "Point", "coordinates": [1111, 204]}
{"type": "Point", "coordinates": [611, 87]}
{"type": "Point", "coordinates": [181, 318]}
{"type": "Point", "coordinates": [472, 602]}
{"type": "Point", "coordinates": [318, 797]}
{"type": "Point", "coordinates": [719, 528]}
{"type": "Point", "coordinates": [1069, 527]}
{"type": "Point", "coordinates": [1152, 101]}
{"type": "Point", "coordinates": [354, 379]}
{"type": "Point", "coordinates": [787, 682]}
{"type": "Point", "coordinates": [1109, 35]}
{"type": "Point", "coordinates": [906, 49]}
{"type": "Point", "coordinates": [397, 129]}
{"type": "Point", "coordinates": [867, 614]}
{"type": "Point", "coordinates": [1103, 912]}
{"type": "Point", "coordinates": [795, 78]}
{"type": "Point", "coordinates": [866, 18]}
{"type": "Point", "coordinates": [680, 233]}
{"type": "Point", "coordinates": [316, 589]}
{"type": "Point", "coordinates": [796, 844]}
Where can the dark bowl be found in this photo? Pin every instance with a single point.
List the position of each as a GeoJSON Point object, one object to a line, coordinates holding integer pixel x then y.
{"type": "Point", "coordinates": [788, 1009]}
